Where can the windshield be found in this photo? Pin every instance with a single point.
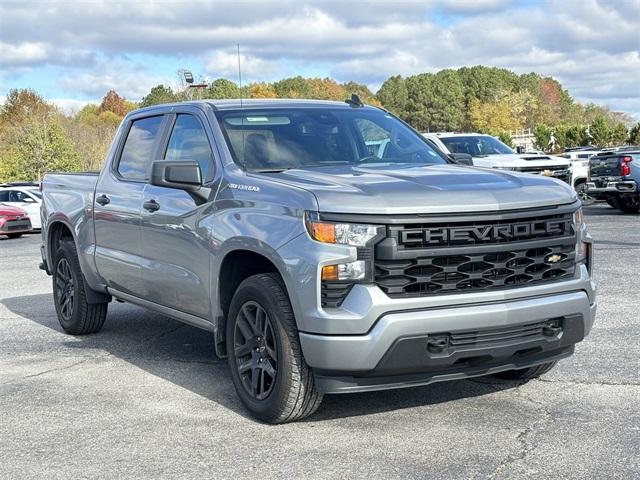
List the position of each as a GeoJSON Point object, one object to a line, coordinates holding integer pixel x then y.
{"type": "Point", "coordinates": [476, 145]}
{"type": "Point", "coordinates": [280, 139]}
{"type": "Point", "coordinates": [35, 192]}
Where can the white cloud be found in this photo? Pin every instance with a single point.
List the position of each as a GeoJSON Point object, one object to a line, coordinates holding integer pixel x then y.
{"type": "Point", "coordinates": [127, 78]}
{"type": "Point", "coordinates": [69, 105]}
{"type": "Point", "coordinates": [591, 46]}
{"type": "Point", "coordinates": [225, 64]}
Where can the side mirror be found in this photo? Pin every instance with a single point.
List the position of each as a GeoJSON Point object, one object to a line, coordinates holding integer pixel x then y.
{"type": "Point", "coordinates": [181, 175]}
{"type": "Point", "coordinates": [462, 158]}
{"type": "Point", "coordinates": [520, 149]}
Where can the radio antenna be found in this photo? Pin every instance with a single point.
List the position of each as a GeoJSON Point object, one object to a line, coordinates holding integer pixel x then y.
{"type": "Point", "coordinates": [244, 163]}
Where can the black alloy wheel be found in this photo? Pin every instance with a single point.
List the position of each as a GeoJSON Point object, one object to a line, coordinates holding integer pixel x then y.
{"type": "Point", "coordinates": [65, 289]}
{"type": "Point", "coordinates": [255, 350]}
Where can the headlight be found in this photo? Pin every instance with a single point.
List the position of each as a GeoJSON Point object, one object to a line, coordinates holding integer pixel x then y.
{"type": "Point", "coordinates": [582, 248]}
{"type": "Point", "coordinates": [578, 219]}
{"type": "Point", "coordinates": [354, 234]}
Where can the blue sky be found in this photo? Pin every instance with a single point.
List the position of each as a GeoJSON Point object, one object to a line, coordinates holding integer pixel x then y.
{"type": "Point", "coordinates": [73, 52]}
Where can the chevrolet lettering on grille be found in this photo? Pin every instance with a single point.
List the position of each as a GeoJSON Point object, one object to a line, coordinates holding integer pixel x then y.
{"type": "Point", "coordinates": [486, 234]}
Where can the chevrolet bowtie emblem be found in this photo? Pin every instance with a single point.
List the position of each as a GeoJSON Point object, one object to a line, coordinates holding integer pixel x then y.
{"type": "Point", "coordinates": [553, 258]}
{"type": "Point", "coordinates": [547, 173]}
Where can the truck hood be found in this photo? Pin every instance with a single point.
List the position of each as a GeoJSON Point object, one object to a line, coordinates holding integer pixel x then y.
{"type": "Point", "coordinates": [424, 189]}
{"type": "Point", "coordinates": [524, 160]}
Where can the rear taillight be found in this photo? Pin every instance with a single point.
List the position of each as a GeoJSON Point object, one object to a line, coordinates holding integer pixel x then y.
{"type": "Point", "coordinates": [625, 168]}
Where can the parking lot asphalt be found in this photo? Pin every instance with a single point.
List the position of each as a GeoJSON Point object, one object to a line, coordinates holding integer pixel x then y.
{"type": "Point", "coordinates": [147, 398]}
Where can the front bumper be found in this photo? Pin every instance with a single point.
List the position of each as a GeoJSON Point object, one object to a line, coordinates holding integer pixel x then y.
{"type": "Point", "coordinates": [20, 225]}
{"type": "Point", "coordinates": [399, 342]}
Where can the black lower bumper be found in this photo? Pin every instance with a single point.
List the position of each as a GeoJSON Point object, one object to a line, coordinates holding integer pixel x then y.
{"type": "Point", "coordinates": [449, 356]}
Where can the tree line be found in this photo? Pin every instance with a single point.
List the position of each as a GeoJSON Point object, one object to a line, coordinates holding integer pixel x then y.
{"type": "Point", "coordinates": [36, 137]}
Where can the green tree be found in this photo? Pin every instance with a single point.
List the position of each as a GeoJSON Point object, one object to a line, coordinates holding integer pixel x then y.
{"type": "Point", "coordinates": [619, 134]}
{"type": "Point", "coordinates": [446, 104]}
{"type": "Point", "coordinates": [600, 132]}
{"type": "Point", "coordinates": [634, 135]}
{"type": "Point", "coordinates": [393, 95]}
{"type": "Point", "coordinates": [222, 88]}
{"type": "Point", "coordinates": [35, 146]}
{"type": "Point", "coordinates": [542, 135]}
{"type": "Point", "coordinates": [362, 91]}
{"type": "Point", "coordinates": [158, 94]}
{"type": "Point", "coordinates": [505, 137]}
{"type": "Point", "coordinates": [418, 98]}
{"type": "Point", "coordinates": [293, 87]}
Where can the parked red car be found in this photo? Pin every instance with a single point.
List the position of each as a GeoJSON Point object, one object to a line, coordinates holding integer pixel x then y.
{"type": "Point", "coordinates": [13, 221]}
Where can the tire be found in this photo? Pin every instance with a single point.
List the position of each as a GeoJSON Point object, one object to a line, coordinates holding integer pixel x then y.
{"type": "Point", "coordinates": [525, 374]}
{"type": "Point", "coordinates": [629, 204]}
{"type": "Point", "coordinates": [585, 198]}
{"type": "Point", "coordinates": [263, 344]}
{"type": "Point", "coordinates": [612, 201]}
{"type": "Point", "coordinates": [14, 235]}
{"type": "Point", "coordinates": [75, 314]}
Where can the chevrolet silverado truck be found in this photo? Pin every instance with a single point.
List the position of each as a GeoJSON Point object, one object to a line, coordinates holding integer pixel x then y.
{"type": "Point", "coordinates": [489, 152]}
{"type": "Point", "coordinates": [321, 264]}
{"type": "Point", "coordinates": [615, 177]}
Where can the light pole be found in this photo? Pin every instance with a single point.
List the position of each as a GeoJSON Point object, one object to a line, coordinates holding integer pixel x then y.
{"type": "Point", "coordinates": [188, 78]}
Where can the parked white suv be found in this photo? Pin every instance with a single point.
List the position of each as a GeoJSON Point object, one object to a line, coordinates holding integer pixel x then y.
{"type": "Point", "coordinates": [489, 152]}
{"type": "Point", "coordinates": [24, 196]}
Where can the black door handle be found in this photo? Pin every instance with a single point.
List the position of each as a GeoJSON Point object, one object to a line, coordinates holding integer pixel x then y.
{"type": "Point", "coordinates": [151, 205]}
{"type": "Point", "coordinates": [102, 200]}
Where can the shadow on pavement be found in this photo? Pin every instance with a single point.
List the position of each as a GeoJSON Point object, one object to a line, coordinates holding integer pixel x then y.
{"type": "Point", "coordinates": [184, 355]}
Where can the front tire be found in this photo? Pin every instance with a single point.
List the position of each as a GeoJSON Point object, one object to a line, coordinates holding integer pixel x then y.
{"type": "Point", "coordinates": [583, 195]}
{"type": "Point", "coordinates": [75, 314]}
{"type": "Point", "coordinates": [14, 235]}
{"type": "Point", "coordinates": [267, 367]}
{"type": "Point", "coordinates": [525, 374]}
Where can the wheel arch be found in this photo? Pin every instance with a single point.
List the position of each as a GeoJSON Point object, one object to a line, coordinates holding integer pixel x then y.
{"type": "Point", "coordinates": [57, 232]}
{"type": "Point", "coordinates": [237, 264]}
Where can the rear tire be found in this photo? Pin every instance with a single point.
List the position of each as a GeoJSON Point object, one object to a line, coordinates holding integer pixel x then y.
{"type": "Point", "coordinates": [613, 202]}
{"type": "Point", "coordinates": [629, 204]}
{"type": "Point", "coordinates": [267, 367]}
{"type": "Point", "coordinates": [75, 314]}
{"type": "Point", "coordinates": [525, 374]}
{"type": "Point", "coordinates": [14, 235]}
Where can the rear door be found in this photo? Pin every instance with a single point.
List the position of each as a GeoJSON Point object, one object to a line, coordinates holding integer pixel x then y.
{"type": "Point", "coordinates": [118, 201]}
{"type": "Point", "coordinates": [175, 239]}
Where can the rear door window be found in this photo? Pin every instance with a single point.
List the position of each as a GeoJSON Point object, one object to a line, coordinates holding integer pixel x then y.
{"type": "Point", "coordinates": [137, 154]}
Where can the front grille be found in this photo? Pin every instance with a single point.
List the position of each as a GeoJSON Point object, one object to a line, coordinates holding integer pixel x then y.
{"type": "Point", "coordinates": [459, 273]}
{"type": "Point", "coordinates": [561, 173]}
{"type": "Point", "coordinates": [13, 225]}
{"type": "Point", "coordinates": [466, 256]}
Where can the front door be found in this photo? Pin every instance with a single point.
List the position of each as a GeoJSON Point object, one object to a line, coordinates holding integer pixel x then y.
{"type": "Point", "coordinates": [117, 205]}
{"type": "Point", "coordinates": [174, 242]}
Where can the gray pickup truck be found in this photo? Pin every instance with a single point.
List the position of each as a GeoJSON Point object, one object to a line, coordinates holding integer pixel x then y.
{"type": "Point", "coordinates": [321, 262]}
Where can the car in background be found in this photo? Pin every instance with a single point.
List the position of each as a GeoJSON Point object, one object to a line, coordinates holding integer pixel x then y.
{"type": "Point", "coordinates": [14, 222]}
{"type": "Point", "coordinates": [489, 152]}
{"type": "Point", "coordinates": [614, 176]}
{"type": "Point", "coordinates": [26, 196]}
{"type": "Point", "coordinates": [579, 157]}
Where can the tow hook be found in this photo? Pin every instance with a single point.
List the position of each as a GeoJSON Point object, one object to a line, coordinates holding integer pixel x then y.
{"type": "Point", "coordinates": [437, 344]}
